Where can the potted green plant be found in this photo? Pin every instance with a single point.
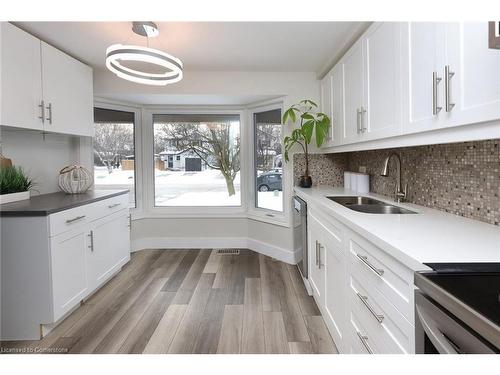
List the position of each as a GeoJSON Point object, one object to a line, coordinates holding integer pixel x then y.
{"type": "Point", "coordinates": [312, 123]}
{"type": "Point", "coordinates": [15, 185]}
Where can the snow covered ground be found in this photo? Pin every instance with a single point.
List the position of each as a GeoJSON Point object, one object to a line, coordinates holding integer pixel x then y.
{"type": "Point", "coordinates": [179, 188]}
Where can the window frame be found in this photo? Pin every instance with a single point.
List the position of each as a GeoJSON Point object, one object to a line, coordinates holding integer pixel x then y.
{"type": "Point", "coordinates": [259, 213]}
{"type": "Point", "coordinates": [138, 186]}
{"type": "Point", "coordinates": [148, 155]}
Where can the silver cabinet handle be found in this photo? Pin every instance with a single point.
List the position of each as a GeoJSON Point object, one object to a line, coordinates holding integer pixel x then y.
{"type": "Point", "coordinates": [317, 250]}
{"type": "Point", "coordinates": [130, 221]}
{"type": "Point", "coordinates": [69, 221]}
{"type": "Point", "coordinates": [358, 121]}
{"type": "Point", "coordinates": [435, 81]}
{"type": "Point", "coordinates": [364, 341]}
{"type": "Point", "coordinates": [364, 299]}
{"type": "Point", "coordinates": [448, 74]}
{"type": "Point", "coordinates": [42, 114]}
{"type": "Point", "coordinates": [49, 109]}
{"type": "Point", "coordinates": [362, 126]}
{"type": "Point", "coordinates": [319, 253]}
{"type": "Point", "coordinates": [91, 235]}
{"type": "Point", "coordinates": [364, 259]}
{"type": "Point", "coordinates": [114, 205]}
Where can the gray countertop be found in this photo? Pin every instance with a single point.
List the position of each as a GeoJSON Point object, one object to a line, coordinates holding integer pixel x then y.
{"type": "Point", "coordinates": [46, 204]}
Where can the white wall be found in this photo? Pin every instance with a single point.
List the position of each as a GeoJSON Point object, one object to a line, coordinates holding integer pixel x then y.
{"type": "Point", "coordinates": [160, 232]}
{"type": "Point", "coordinates": [42, 157]}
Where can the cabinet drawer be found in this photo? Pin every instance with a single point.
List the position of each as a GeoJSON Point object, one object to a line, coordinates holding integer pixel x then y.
{"type": "Point", "coordinates": [386, 326]}
{"type": "Point", "coordinates": [111, 205]}
{"type": "Point", "coordinates": [71, 219]}
{"type": "Point", "coordinates": [360, 342]}
{"type": "Point", "coordinates": [386, 275]}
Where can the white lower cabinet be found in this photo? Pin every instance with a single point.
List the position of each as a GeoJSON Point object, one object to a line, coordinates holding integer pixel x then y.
{"type": "Point", "coordinates": [64, 259]}
{"type": "Point", "coordinates": [108, 238]}
{"type": "Point", "coordinates": [364, 295]}
{"type": "Point", "coordinates": [69, 277]}
{"type": "Point", "coordinates": [316, 270]}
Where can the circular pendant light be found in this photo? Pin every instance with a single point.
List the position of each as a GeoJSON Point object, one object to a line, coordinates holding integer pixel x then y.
{"type": "Point", "coordinates": [116, 54]}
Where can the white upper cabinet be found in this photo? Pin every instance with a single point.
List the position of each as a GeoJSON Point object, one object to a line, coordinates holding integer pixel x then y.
{"type": "Point", "coordinates": [42, 88]}
{"type": "Point", "coordinates": [337, 115]}
{"type": "Point", "coordinates": [326, 104]}
{"type": "Point", "coordinates": [422, 61]}
{"type": "Point", "coordinates": [474, 75]}
{"type": "Point", "coordinates": [353, 69]}
{"type": "Point", "coordinates": [67, 92]}
{"type": "Point", "coordinates": [20, 77]}
{"type": "Point", "coordinates": [381, 111]}
{"type": "Point", "coordinates": [416, 77]}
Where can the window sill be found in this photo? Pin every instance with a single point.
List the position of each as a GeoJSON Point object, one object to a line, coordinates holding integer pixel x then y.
{"type": "Point", "coordinates": [265, 217]}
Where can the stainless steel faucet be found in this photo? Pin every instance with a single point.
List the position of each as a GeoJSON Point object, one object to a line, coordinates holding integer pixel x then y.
{"type": "Point", "coordinates": [400, 193]}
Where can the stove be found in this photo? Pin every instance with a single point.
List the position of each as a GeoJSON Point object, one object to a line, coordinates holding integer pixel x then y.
{"type": "Point", "coordinates": [457, 308]}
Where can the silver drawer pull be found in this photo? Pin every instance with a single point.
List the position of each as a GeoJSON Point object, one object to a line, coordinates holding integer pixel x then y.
{"type": "Point", "coordinates": [69, 221]}
{"type": "Point", "coordinates": [364, 259]}
{"type": "Point", "coordinates": [364, 299]}
{"type": "Point", "coordinates": [91, 235]}
{"type": "Point", "coordinates": [364, 341]}
{"type": "Point", "coordinates": [114, 205]}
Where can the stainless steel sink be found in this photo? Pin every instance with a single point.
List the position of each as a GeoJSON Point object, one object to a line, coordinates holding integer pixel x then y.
{"type": "Point", "coordinates": [369, 205]}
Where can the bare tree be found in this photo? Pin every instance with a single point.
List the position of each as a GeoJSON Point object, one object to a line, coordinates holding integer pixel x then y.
{"type": "Point", "coordinates": [112, 141]}
{"type": "Point", "coordinates": [214, 143]}
{"type": "Point", "coordinates": [268, 145]}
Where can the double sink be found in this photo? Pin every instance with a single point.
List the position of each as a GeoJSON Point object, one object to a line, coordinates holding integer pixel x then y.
{"type": "Point", "coordinates": [369, 205]}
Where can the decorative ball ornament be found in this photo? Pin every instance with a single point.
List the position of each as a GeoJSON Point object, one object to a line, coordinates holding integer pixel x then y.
{"type": "Point", "coordinates": [75, 179]}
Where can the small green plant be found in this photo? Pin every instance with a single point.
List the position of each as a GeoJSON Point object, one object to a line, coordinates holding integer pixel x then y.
{"type": "Point", "coordinates": [311, 122]}
{"type": "Point", "coordinates": [14, 180]}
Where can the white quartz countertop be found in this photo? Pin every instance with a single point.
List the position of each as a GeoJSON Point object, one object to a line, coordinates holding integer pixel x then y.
{"type": "Point", "coordinates": [430, 236]}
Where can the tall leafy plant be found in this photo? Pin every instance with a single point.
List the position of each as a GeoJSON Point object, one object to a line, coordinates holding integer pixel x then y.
{"type": "Point", "coordinates": [14, 180]}
{"type": "Point", "coordinates": [311, 123]}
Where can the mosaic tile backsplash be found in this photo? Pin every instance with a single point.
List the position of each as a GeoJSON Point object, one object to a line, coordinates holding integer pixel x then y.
{"type": "Point", "coordinates": [460, 178]}
{"type": "Point", "coordinates": [325, 169]}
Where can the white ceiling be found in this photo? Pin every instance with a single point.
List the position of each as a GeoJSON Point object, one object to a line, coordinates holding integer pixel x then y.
{"type": "Point", "coordinates": [211, 46]}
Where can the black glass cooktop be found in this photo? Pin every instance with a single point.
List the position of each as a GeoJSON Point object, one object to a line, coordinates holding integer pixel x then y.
{"type": "Point", "coordinates": [477, 285]}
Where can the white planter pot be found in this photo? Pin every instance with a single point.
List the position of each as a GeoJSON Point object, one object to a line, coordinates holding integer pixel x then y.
{"type": "Point", "coordinates": [14, 197]}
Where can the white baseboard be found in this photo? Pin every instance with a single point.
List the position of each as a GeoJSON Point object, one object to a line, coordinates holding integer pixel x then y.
{"type": "Point", "coordinates": [273, 251]}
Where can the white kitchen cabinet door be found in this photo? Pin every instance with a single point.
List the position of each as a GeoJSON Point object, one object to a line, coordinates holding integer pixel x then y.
{"type": "Point", "coordinates": [474, 89]}
{"type": "Point", "coordinates": [381, 112]}
{"type": "Point", "coordinates": [69, 276]}
{"type": "Point", "coordinates": [20, 79]}
{"type": "Point", "coordinates": [109, 247]}
{"type": "Point", "coordinates": [353, 69]}
{"type": "Point", "coordinates": [337, 116]}
{"type": "Point", "coordinates": [326, 104]}
{"type": "Point", "coordinates": [422, 55]}
{"type": "Point", "coordinates": [68, 93]}
{"type": "Point", "coordinates": [336, 303]}
{"type": "Point", "coordinates": [316, 260]}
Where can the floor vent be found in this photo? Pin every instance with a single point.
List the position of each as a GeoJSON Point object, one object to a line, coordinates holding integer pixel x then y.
{"type": "Point", "coordinates": [228, 252]}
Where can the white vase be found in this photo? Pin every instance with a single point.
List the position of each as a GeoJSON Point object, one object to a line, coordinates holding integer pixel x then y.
{"type": "Point", "coordinates": [14, 197]}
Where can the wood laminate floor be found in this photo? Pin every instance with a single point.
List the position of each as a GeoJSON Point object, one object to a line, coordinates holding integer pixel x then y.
{"type": "Point", "coordinates": [193, 301]}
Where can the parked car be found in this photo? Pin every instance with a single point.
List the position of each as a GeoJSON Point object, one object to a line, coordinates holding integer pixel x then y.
{"type": "Point", "coordinates": [269, 181]}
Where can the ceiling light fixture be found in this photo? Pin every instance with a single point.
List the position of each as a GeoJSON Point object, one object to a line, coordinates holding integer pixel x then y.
{"type": "Point", "coordinates": [116, 54]}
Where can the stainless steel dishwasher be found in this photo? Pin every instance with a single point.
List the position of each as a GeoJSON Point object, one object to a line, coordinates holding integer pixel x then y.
{"type": "Point", "coordinates": [300, 233]}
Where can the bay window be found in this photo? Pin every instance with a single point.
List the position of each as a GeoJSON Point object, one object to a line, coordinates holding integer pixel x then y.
{"type": "Point", "coordinates": [114, 151]}
{"type": "Point", "coordinates": [196, 160]}
{"type": "Point", "coordinates": [268, 161]}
